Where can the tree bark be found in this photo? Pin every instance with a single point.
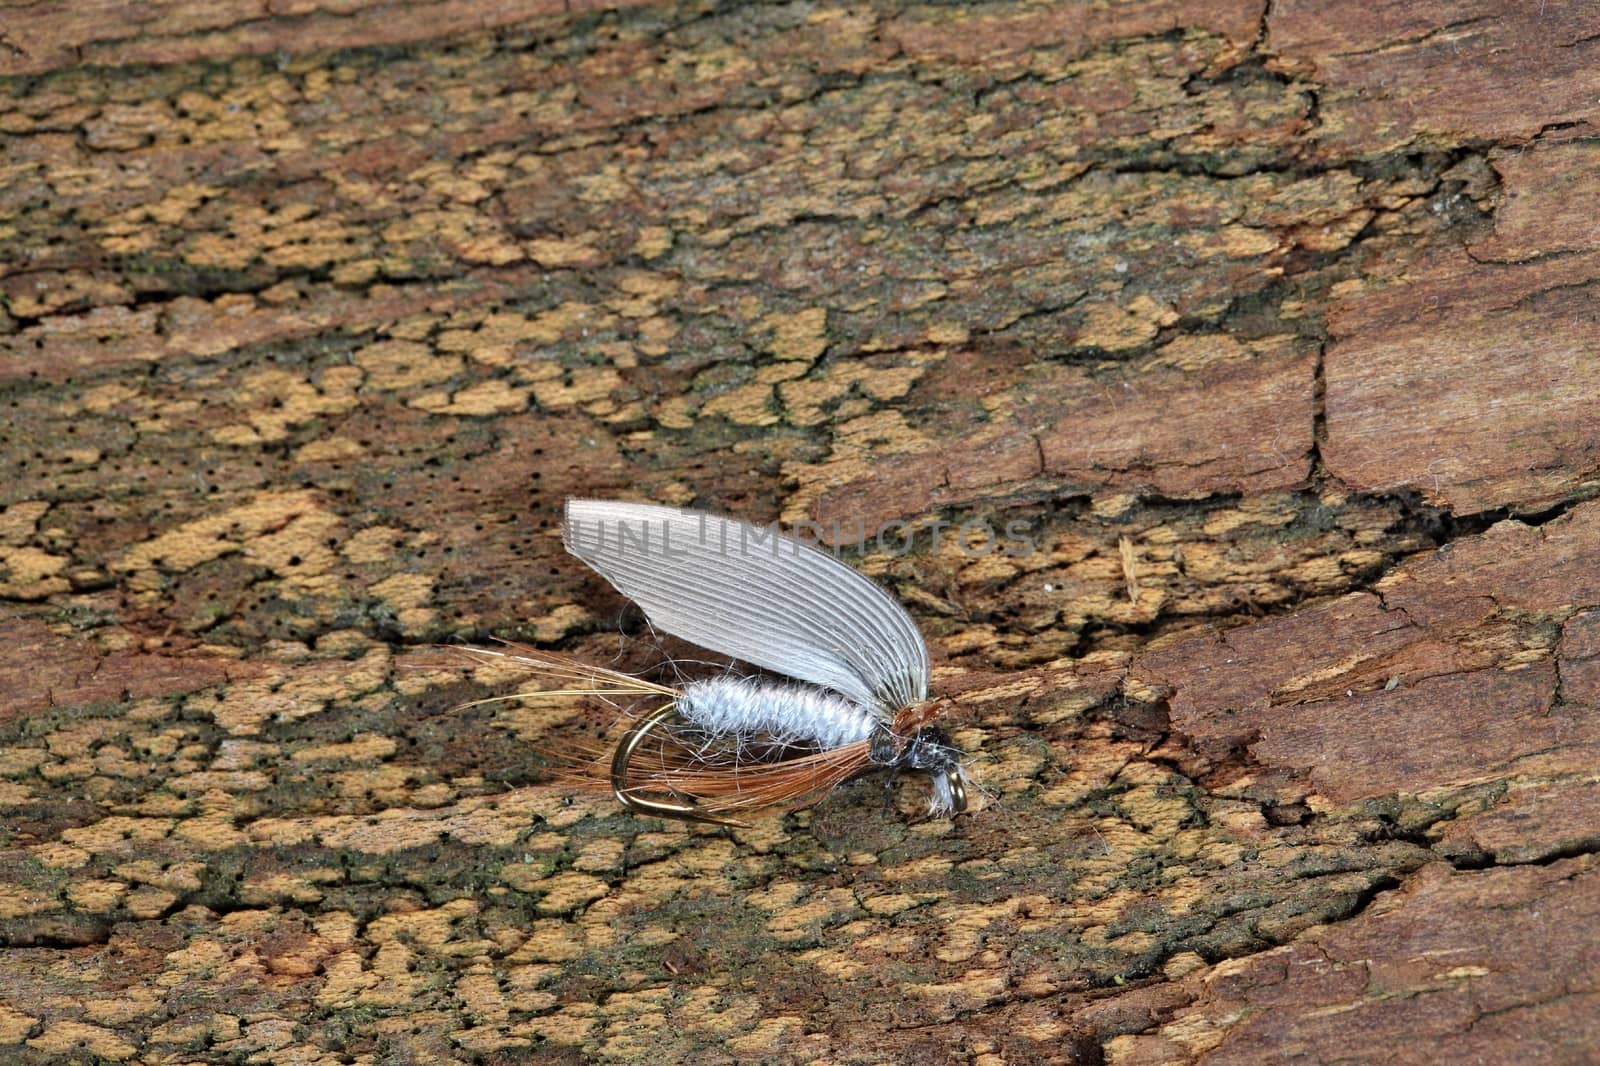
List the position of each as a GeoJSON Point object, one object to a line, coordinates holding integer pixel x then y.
{"type": "Point", "coordinates": [1253, 344]}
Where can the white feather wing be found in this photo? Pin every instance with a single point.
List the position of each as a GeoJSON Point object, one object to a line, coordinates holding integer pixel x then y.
{"type": "Point", "coordinates": [760, 596]}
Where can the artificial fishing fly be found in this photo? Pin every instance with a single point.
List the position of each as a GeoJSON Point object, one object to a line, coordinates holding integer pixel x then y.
{"type": "Point", "coordinates": [857, 694]}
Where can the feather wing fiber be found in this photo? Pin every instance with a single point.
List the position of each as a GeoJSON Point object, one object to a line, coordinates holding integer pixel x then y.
{"type": "Point", "coordinates": [760, 596]}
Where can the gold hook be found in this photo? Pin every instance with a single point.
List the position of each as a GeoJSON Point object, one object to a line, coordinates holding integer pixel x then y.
{"type": "Point", "coordinates": [634, 801]}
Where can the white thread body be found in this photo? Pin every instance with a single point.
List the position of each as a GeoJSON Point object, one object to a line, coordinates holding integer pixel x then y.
{"type": "Point", "coordinates": [793, 715]}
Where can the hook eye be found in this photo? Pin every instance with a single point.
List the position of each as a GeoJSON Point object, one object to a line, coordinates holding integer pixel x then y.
{"type": "Point", "coordinates": [958, 791]}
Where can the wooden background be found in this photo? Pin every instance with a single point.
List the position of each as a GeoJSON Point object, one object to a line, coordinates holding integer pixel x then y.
{"type": "Point", "coordinates": [1272, 324]}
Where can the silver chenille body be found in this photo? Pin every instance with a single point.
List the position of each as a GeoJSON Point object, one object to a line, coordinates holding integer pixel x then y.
{"type": "Point", "coordinates": [791, 715]}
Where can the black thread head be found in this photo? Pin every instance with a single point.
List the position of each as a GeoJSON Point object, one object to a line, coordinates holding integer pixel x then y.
{"type": "Point", "coordinates": [929, 750]}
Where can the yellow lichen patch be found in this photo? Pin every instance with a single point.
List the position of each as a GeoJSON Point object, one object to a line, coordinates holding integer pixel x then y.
{"type": "Point", "coordinates": [402, 364]}
{"type": "Point", "coordinates": [555, 388]}
{"type": "Point", "coordinates": [650, 285]}
{"type": "Point", "coordinates": [96, 895]}
{"type": "Point", "coordinates": [1336, 234]}
{"type": "Point", "coordinates": [494, 339]}
{"type": "Point", "coordinates": [1234, 242]}
{"type": "Point", "coordinates": [600, 856]}
{"type": "Point", "coordinates": [28, 573]}
{"type": "Point", "coordinates": [485, 398]}
{"type": "Point", "coordinates": [655, 335]}
{"type": "Point", "coordinates": [1200, 1032]}
{"type": "Point", "coordinates": [277, 888]}
{"type": "Point", "coordinates": [296, 694]}
{"type": "Point", "coordinates": [329, 449]}
{"type": "Point", "coordinates": [777, 896]}
{"type": "Point", "coordinates": [217, 535]}
{"type": "Point", "coordinates": [1118, 328]}
{"type": "Point", "coordinates": [386, 784]}
{"type": "Point", "coordinates": [301, 958]}
{"type": "Point", "coordinates": [891, 902]}
{"type": "Point", "coordinates": [1273, 511]}
{"type": "Point", "coordinates": [498, 825]}
{"type": "Point", "coordinates": [951, 334]}
{"type": "Point", "coordinates": [20, 520]}
{"type": "Point", "coordinates": [198, 957]}
{"type": "Point", "coordinates": [549, 252]}
{"type": "Point", "coordinates": [1219, 564]}
{"type": "Point", "coordinates": [549, 940]}
{"type": "Point", "coordinates": [858, 445]}
{"type": "Point", "coordinates": [487, 244]}
{"type": "Point", "coordinates": [184, 876]}
{"type": "Point", "coordinates": [396, 985]}
{"type": "Point", "coordinates": [110, 834]}
{"type": "Point", "coordinates": [572, 1026]}
{"type": "Point", "coordinates": [177, 203]}
{"type": "Point", "coordinates": [964, 927]}
{"type": "Point", "coordinates": [479, 993]}
{"type": "Point", "coordinates": [405, 591]}
{"type": "Point", "coordinates": [441, 177]}
{"type": "Point", "coordinates": [804, 401]}
{"type": "Point", "coordinates": [15, 1025]}
{"type": "Point", "coordinates": [147, 901]}
{"type": "Point", "coordinates": [859, 957]}
{"type": "Point", "coordinates": [344, 979]}
{"type": "Point", "coordinates": [208, 1028]}
{"type": "Point", "coordinates": [218, 251]}
{"type": "Point", "coordinates": [710, 858]}
{"type": "Point", "coordinates": [428, 929]}
{"type": "Point", "coordinates": [524, 877]}
{"type": "Point", "coordinates": [367, 747]}
{"type": "Point", "coordinates": [972, 990]}
{"type": "Point", "coordinates": [652, 241]}
{"type": "Point", "coordinates": [801, 335]}
{"type": "Point", "coordinates": [769, 1036]}
{"type": "Point", "coordinates": [48, 294]}
{"type": "Point", "coordinates": [374, 545]}
{"type": "Point", "coordinates": [310, 246]}
{"type": "Point", "coordinates": [521, 987]}
{"type": "Point", "coordinates": [342, 644]}
{"type": "Point", "coordinates": [676, 412]}
{"type": "Point", "coordinates": [19, 902]}
{"type": "Point", "coordinates": [929, 868]}
{"type": "Point", "coordinates": [212, 832]}
{"type": "Point", "coordinates": [299, 551]}
{"type": "Point", "coordinates": [498, 334]}
{"type": "Point", "coordinates": [1194, 353]}
{"type": "Point", "coordinates": [633, 306]}
{"type": "Point", "coordinates": [59, 856]}
{"type": "Point", "coordinates": [635, 1016]}
{"type": "Point", "coordinates": [557, 624]}
{"type": "Point", "coordinates": [236, 436]}
{"type": "Point", "coordinates": [487, 1038]}
{"type": "Point", "coordinates": [453, 227]}
{"type": "Point", "coordinates": [881, 433]}
{"type": "Point", "coordinates": [777, 372]}
{"type": "Point", "coordinates": [806, 917]}
{"type": "Point", "coordinates": [653, 938]}
{"type": "Point", "coordinates": [69, 1037]}
{"type": "Point", "coordinates": [747, 405]}
{"type": "Point", "coordinates": [570, 891]}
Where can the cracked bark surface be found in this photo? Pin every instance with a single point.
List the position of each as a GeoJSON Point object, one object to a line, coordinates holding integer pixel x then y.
{"type": "Point", "coordinates": [1269, 327]}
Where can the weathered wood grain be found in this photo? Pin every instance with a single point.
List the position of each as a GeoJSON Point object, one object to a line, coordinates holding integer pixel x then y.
{"type": "Point", "coordinates": [1261, 336]}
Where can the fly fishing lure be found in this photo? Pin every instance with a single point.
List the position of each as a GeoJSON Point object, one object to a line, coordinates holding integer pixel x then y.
{"type": "Point", "coordinates": [857, 698]}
